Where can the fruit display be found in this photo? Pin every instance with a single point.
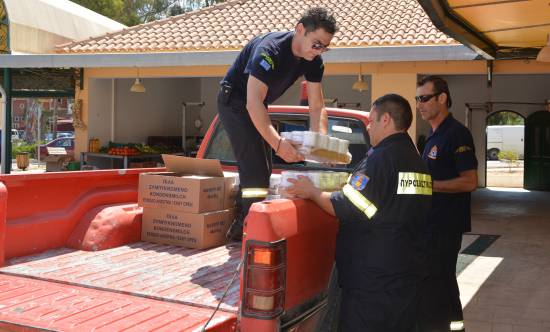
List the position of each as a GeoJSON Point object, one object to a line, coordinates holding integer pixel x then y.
{"type": "Point", "coordinates": [124, 151]}
{"type": "Point", "coordinates": [131, 149]}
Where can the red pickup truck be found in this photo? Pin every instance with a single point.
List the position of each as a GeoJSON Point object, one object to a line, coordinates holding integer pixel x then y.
{"type": "Point", "coordinates": [71, 258]}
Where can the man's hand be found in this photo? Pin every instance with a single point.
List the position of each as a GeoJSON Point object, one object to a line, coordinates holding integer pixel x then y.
{"type": "Point", "coordinates": [303, 188]}
{"type": "Point", "coordinates": [288, 152]}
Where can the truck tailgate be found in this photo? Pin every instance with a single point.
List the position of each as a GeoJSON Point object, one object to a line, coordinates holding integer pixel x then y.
{"type": "Point", "coordinates": [173, 274]}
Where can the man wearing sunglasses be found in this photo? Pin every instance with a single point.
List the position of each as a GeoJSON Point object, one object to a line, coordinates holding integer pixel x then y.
{"type": "Point", "coordinates": [266, 67]}
{"type": "Point", "coordinates": [450, 156]}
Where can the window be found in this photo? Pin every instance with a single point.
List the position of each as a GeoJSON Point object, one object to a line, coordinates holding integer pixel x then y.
{"type": "Point", "coordinates": [65, 143]}
{"type": "Point", "coordinates": [349, 129]}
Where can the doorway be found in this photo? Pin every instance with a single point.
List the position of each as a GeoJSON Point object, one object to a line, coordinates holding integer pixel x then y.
{"type": "Point", "coordinates": [505, 149]}
{"type": "Point", "coordinates": [537, 152]}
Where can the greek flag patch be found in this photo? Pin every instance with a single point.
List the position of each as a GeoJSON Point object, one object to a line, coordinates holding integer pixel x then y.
{"type": "Point", "coordinates": [265, 65]}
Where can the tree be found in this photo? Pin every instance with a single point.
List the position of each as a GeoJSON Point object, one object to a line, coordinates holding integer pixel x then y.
{"type": "Point", "coordinates": [509, 157]}
{"type": "Point", "coordinates": [110, 8]}
{"type": "Point", "coordinates": [133, 12]}
{"type": "Point", "coordinates": [505, 118]}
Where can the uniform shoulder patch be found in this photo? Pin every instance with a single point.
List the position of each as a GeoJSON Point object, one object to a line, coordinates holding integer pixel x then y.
{"type": "Point", "coordinates": [433, 152]}
{"type": "Point", "coordinates": [359, 181]}
{"type": "Point", "coordinates": [265, 65]}
{"type": "Point", "coordinates": [462, 149]}
{"type": "Point", "coordinates": [267, 61]}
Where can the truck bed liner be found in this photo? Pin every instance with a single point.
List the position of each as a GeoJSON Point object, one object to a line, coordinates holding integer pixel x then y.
{"type": "Point", "coordinates": [35, 305]}
{"type": "Point", "coordinates": [154, 271]}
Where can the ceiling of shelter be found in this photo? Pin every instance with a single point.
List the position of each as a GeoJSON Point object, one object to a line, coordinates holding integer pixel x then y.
{"type": "Point", "coordinates": [495, 29]}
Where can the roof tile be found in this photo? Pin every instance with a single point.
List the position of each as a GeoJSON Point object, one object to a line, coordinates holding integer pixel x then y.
{"type": "Point", "coordinates": [232, 24]}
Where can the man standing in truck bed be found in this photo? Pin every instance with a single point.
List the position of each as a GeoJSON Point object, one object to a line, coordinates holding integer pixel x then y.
{"type": "Point", "coordinates": [266, 67]}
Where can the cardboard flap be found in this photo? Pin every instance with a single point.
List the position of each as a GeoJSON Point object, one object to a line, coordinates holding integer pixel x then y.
{"type": "Point", "coordinates": [179, 164]}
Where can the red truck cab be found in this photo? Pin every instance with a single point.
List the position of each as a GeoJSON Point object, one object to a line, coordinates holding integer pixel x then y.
{"type": "Point", "coordinates": [71, 258]}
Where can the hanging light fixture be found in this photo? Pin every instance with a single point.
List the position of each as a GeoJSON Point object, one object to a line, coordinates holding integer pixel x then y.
{"type": "Point", "coordinates": [360, 85]}
{"type": "Point", "coordinates": [137, 86]}
{"type": "Point", "coordinates": [544, 53]}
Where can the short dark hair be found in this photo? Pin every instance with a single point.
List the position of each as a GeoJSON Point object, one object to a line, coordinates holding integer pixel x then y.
{"type": "Point", "coordinates": [318, 17]}
{"type": "Point", "coordinates": [397, 107]}
{"type": "Point", "coordinates": [440, 86]}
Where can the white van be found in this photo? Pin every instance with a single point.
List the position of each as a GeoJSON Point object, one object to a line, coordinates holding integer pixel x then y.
{"type": "Point", "coordinates": [504, 138]}
{"type": "Point", "coordinates": [14, 135]}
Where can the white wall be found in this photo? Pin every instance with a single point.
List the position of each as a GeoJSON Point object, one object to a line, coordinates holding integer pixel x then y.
{"type": "Point", "coordinates": [157, 112]}
{"type": "Point", "coordinates": [99, 109]}
{"type": "Point", "coordinates": [333, 87]}
{"type": "Point", "coordinates": [210, 87]}
{"type": "Point", "coordinates": [506, 88]}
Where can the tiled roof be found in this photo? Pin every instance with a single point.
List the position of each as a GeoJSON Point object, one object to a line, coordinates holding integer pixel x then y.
{"type": "Point", "coordinates": [230, 25]}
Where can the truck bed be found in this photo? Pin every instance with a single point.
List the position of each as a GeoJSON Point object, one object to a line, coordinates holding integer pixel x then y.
{"type": "Point", "coordinates": [141, 271]}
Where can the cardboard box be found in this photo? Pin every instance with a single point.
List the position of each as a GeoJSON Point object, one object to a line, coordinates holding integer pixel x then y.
{"type": "Point", "coordinates": [191, 230]}
{"type": "Point", "coordinates": [190, 185]}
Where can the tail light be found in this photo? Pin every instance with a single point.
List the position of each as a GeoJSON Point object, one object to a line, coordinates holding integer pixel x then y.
{"type": "Point", "coordinates": [264, 279]}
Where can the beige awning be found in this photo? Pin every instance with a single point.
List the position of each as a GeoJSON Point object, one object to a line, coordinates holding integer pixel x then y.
{"type": "Point", "coordinates": [37, 26]}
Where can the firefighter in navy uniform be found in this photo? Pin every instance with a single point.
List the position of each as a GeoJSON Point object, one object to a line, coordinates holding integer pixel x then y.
{"type": "Point", "coordinates": [382, 212]}
{"type": "Point", "coordinates": [266, 67]}
{"type": "Point", "coordinates": [449, 154]}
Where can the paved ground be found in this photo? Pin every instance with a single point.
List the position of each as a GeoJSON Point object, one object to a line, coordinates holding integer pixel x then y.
{"type": "Point", "coordinates": [507, 287]}
{"type": "Point", "coordinates": [502, 174]}
{"type": "Point", "coordinates": [34, 167]}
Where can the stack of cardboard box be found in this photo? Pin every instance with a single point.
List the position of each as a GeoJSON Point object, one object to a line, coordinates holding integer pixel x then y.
{"type": "Point", "coordinates": [190, 205]}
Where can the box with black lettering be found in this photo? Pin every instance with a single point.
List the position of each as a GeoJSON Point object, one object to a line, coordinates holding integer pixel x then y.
{"type": "Point", "coordinates": [189, 185]}
{"type": "Point", "coordinates": [190, 230]}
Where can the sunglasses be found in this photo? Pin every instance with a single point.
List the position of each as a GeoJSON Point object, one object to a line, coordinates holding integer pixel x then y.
{"type": "Point", "coordinates": [318, 46]}
{"type": "Point", "coordinates": [426, 98]}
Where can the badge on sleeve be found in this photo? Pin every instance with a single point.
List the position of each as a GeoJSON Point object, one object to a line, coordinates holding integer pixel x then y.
{"type": "Point", "coordinates": [462, 149]}
{"type": "Point", "coordinates": [267, 62]}
{"type": "Point", "coordinates": [359, 181]}
{"type": "Point", "coordinates": [433, 153]}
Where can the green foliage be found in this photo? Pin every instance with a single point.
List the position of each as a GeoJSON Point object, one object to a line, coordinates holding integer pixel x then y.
{"type": "Point", "coordinates": [133, 12]}
{"type": "Point", "coordinates": [24, 147]}
{"type": "Point", "coordinates": [509, 157]}
{"type": "Point", "coordinates": [505, 118]}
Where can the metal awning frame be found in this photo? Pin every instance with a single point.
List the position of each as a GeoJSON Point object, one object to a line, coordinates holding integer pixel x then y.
{"type": "Point", "coordinates": [446, 20]}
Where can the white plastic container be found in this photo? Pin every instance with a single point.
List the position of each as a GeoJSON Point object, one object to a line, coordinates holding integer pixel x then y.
{"type": "Point", "coordinates": [315, 178]}
{"type": "Point", "coordinates": [343, 178]}
{"type": "Point", "coordinates": [298, 137]}
{"type": "Point", "coordinates": [286, 175]}
{"type": "Point", "coordinates": [343, 146]}
{"type": "Point", "coordinates": [286, 135]}
{"type": "Point", "coordinates": [310, 139]}
{"type": "Point", "coordinates": [322, 142]}
{"type": "Point", "coordinates": [333, 144]}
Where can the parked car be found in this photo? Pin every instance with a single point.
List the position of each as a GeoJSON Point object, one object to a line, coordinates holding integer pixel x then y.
{"type": "Point", "coordinates": [15, 135]}
{"type": "Point", "coordinates": [60, 134]}
{"type": "Point", "coordinates": [64, 142]}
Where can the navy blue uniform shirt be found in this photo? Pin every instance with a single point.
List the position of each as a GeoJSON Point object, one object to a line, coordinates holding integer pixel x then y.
{"type": "Point", "coordinates": [382, 214]}
{"type": "Point", "coordinates": [448, 151]}
{"type": "Point", "coordinates": [269, 58]}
